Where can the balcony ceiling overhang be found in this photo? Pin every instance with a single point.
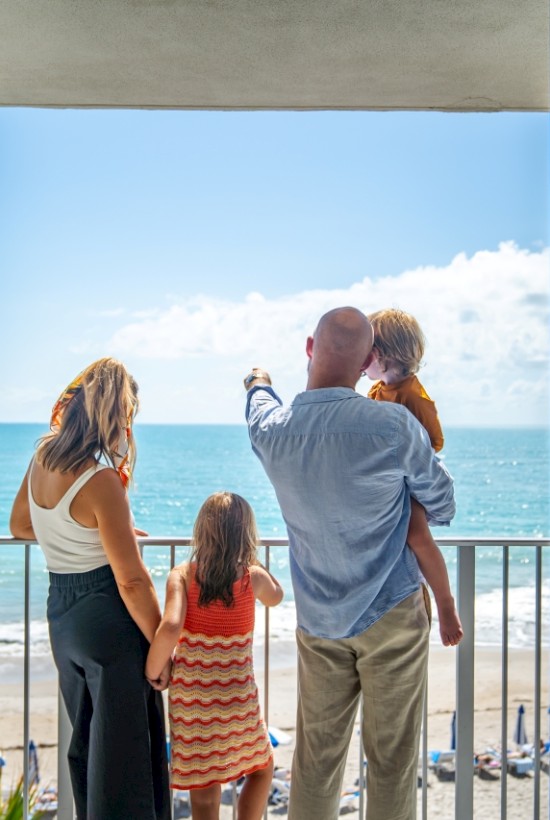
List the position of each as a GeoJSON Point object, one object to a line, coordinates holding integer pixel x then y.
{"type": "Point", "coordinates": [448, 55]}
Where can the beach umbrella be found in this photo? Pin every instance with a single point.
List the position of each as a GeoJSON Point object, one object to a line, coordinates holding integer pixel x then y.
{"type": "Point", "coordinates": [34, 774]}
{"type": "Point", "coordinates": [452, 747]}
{"type": "Point", "coordinates": [520, 735]}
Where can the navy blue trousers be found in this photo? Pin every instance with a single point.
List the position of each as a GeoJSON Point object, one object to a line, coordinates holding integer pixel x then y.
{"type": "Point", "coordinates": [117, 754]}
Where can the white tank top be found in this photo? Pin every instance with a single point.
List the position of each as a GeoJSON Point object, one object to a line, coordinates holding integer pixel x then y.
{"type": "Point", "coordinates": [67, 545]}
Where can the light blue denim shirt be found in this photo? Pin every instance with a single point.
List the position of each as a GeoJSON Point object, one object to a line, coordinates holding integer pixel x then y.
{"type": "Point", "coordinates": [344, 467]}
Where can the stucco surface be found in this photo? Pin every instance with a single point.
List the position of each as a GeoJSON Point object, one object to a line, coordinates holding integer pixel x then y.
{"type": "Point", "coordinates": [480, 55]}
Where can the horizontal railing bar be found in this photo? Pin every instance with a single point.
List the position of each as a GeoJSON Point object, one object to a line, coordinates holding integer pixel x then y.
{"type": "Point", "coordinates": [447, 541]}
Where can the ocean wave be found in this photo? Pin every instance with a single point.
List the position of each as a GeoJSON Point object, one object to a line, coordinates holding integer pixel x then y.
{"type": "Point", "coordinates": [12, 639]}
{"type": "Point", "coordinates": [282, 624]}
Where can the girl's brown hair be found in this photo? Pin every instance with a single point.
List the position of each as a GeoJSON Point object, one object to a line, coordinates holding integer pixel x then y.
{"type": "Point", "coordinates": [95, 420]}
{"type": "Point", "coordinates": [225, 539]}
{"type": "Point", "coordinates": [398, 339]}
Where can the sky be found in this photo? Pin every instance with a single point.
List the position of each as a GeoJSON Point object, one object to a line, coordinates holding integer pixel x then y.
{"type": "Point", "coordinates": [195, 245]}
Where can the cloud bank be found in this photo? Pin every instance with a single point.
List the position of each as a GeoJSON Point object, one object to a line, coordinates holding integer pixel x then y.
{"type": "Point", "coordinates": [485, 318]}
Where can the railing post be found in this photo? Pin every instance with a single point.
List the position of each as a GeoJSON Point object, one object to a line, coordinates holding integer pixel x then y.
{"type": "Point", "coordinates": [504, 684]}
{"type": "Point", "coordinates": [538, 680]}
{"type": "Point", "coordinates": [65, 803]}
{"type": "Point", "coordinates": [266, 655]}
{"type": "Point", "coordinates": [464, 780]}
{"type": "Point", "coordinates": [425, 755]}
{"type": "Point", "coordinates": [26, 683]}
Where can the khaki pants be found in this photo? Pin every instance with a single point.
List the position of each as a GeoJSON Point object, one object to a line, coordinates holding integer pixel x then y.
{"type": "Point", "coordinates": [387, 665]}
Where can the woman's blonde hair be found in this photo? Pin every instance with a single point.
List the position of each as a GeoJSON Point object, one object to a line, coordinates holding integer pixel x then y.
{"type": "Point", "coordinates": [95, 420]}
{"type": "Point", "coordinates": [398, 340]}
{"type": "Point", "coordinates": [225, 539]}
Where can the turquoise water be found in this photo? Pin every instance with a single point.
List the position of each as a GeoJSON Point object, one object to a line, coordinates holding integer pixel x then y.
{"type": "Point", "coordinates": [502, 488]}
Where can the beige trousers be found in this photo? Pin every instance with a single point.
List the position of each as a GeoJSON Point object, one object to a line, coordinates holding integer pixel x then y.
{"type": "Point", "coordinates": [387, 666]}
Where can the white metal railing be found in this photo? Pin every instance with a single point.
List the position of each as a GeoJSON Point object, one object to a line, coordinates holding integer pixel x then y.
{"type": "Point", "coordinates": [465, 696]}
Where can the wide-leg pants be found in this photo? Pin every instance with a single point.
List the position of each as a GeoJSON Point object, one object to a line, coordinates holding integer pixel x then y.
{"type": "Point", "coordinates": [117, 753]}
{"type": "Point", "coordinates": [387, 666]}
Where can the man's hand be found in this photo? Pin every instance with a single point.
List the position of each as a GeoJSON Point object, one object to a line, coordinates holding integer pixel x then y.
{"type": "Point", "coordinates": [256, 376]}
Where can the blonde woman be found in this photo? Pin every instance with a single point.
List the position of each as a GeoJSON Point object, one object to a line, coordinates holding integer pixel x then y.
{"type": "Point", "coordinates": [102, 607]}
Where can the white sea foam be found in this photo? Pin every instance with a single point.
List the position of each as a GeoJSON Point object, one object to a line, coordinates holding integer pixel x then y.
{"type": "Point", "coordinates": [282, 624]}
{"type": "Point", "coordinates": [12, 639]}
{"type": "Point", "coordinates": [521, 617]}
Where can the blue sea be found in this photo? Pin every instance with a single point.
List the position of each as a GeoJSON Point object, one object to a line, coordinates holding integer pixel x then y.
{"type": "Point", "coordinates": [502, 488]}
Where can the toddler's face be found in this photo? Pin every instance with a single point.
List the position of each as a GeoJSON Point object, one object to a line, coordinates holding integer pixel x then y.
{"type": "Point", "coordinates": [374, 370]}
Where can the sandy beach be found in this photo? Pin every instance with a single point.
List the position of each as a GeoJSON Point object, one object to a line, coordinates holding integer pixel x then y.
{"type": "Point", "coordinates": [282, 706]}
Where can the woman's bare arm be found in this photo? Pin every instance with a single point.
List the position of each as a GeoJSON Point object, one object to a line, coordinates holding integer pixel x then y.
{"type": "Point", "coordinates": [20, 518]}
{"type": "Point", "coordinates": [109, 502]}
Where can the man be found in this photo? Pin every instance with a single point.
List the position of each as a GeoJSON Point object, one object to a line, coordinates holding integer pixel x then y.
{"type": "Point", "coordinates": [344, 468]}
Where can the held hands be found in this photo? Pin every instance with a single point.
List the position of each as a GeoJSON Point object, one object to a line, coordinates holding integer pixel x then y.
{"type": "Point", "coordinates": [163, 679]}
{"type": "Point", "coordinates": [256, 376]}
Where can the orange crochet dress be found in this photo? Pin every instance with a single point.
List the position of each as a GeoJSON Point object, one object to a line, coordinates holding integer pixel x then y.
{"type": "Point", "coordinates": [216, 731]}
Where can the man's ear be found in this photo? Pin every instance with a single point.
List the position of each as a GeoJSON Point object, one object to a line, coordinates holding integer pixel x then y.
{"type": "Point", "coordinates": [368, 361]}
{"type": "Point", "coordinates": [309, 347]}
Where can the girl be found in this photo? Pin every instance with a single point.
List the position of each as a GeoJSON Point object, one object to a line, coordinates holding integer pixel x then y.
{"type": "Point", "coordinates": [217, 733]}
{"type": "Point", "coordinates": [397, 353]}
{"type": "Point", "coordinates": [102, 606]}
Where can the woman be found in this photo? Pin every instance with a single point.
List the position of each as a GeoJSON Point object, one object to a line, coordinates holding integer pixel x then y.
{"type": "Point", "coordinates": [102, 606]}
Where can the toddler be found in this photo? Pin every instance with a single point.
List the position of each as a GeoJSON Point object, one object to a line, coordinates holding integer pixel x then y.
{"type": "Point", "coordinates": [398, 350]}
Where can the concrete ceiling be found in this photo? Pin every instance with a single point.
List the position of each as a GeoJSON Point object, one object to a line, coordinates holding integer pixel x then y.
{"type": "Point", "coordinates": [450, 55]}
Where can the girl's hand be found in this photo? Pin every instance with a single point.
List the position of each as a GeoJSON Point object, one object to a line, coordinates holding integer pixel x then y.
{"type": "Point", "coordinates": [140, 533]}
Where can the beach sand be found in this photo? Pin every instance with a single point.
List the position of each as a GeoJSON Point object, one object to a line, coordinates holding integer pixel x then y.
{"type": "Point", "coordinates": [282, 708]}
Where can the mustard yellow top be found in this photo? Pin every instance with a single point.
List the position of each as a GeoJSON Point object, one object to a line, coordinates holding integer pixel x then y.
{"type": "Point", "coordinates": [411, 393]}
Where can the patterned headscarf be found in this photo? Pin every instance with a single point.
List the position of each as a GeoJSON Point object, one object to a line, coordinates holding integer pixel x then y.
{"type": "Point", "coordinates": [64, 399]}
{"type": "Point", "coordinates": [120, 460]}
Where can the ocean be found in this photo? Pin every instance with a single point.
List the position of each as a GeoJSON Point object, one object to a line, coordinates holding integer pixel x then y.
{"type": "Point", "coordinates": [502, 487]}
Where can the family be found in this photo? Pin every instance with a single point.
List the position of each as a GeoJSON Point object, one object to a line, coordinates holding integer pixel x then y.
{"type": "Point", "coordinates": [358, 482]}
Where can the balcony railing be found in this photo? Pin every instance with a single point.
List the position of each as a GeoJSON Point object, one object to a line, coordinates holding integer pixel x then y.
{"type": "Point", "coordinates": [464, 693]}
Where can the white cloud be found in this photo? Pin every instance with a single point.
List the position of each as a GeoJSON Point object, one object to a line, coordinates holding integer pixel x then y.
{"type": "Point", "coordinates": [485, 318]}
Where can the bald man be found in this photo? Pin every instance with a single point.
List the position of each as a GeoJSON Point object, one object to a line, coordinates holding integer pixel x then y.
{"type": "Point", "coordinates": [344, 468]}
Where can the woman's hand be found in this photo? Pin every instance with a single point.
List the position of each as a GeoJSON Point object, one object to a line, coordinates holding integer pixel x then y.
{"type": "Point", "coordinates": [163, 680]}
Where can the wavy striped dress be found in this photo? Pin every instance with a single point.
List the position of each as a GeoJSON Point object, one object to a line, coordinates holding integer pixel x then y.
{"type": "Point", "coordinates": [217, 733]}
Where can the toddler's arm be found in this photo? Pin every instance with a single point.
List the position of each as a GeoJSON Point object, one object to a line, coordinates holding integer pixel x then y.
{"type": "Point", "coordinates": [432, 565]}
{"type": "Point", "coordinates": [167, 634]}
{"type": "Point", "coordinates": [266, 588]}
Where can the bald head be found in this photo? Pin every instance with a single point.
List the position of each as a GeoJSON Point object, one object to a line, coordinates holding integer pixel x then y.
{"type": "Point", "coordinates": [339, 349]}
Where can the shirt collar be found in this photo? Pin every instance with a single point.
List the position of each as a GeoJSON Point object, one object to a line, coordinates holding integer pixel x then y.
{"type": "Point", "coordinates": [324, 394]}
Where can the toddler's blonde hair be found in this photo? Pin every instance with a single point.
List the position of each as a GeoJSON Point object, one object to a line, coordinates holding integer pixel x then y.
{"type": "Point", "coordinates": [399, 340]}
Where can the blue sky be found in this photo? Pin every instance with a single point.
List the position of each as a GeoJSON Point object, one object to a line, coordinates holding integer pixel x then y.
{"type": "Point", "coordinates": [195, 244]}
